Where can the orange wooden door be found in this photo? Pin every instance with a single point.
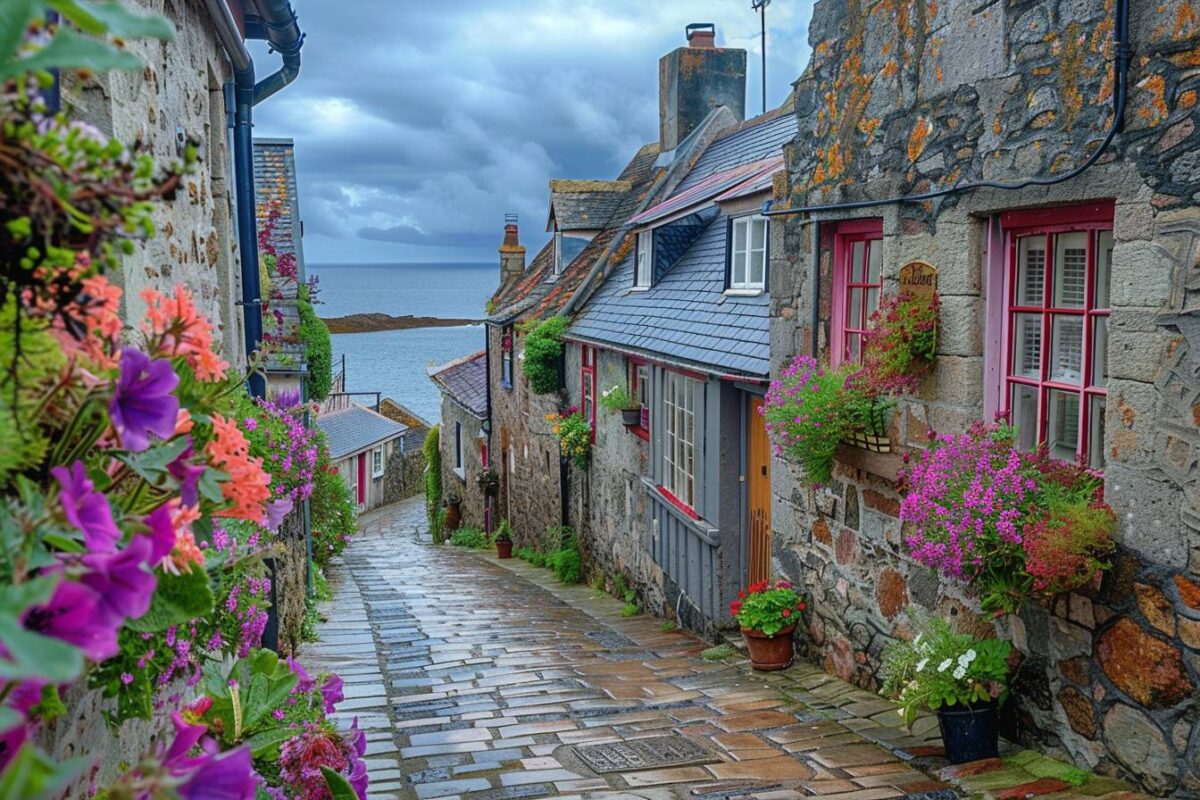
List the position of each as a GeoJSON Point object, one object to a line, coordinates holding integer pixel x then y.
{"type": "Point", "coordinates": [758, 467]}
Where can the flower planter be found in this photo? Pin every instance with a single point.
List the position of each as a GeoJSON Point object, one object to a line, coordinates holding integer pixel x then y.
{"type": "Point", "coordinates": [970, 733]}
{"type": "Point", "coordinates": [769, 653]}
{"type": "Point", "coordinates": [867, 441]}
{"type": "Point", "coordinates": [504, 549]}
{"type": "Point", "coordinates": [631, 417]}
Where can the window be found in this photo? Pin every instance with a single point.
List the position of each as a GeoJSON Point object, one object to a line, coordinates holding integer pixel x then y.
{"type": "Point", "coordinates": [748, 253]}
{"type": "Point", "coordinates": [639, 390]}
{"type": "Point", "coordinates": [857, 285]}
{"type": "Point", "coordinates": [679, 437]}
{"type": "Point", "coordinates": [377, 462]}
{"type": "Point", "coordinates": [644, 261]}
{"type": "Point", "coordinates": [558, 254]}
{"type": "Point", "coordinates": [506, 358]}
{"type": "Point", "coordinates": [1056, 314]}
{"type": "Point", "coordinates": [587, 392]}
{"type": "Point", "coordinates": [459, 470]}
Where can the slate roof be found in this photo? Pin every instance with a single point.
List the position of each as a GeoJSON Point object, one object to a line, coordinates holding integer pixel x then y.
{"type": "Point", "coordinates": [754, 140]}
{"type": "Point", "coordinates": [685, 316]}
{"type": "Point", "coordinates": [585, 205]}
{"type": "Point", "coordinates": [275, 181]}
{"type": "Point", "coordinates": [354, 429]}
{"type": "Point", "coordinates": [464, 381]}
{"type": "Point", "coordinates": [531, 295]}
{"type": "Point", "coordinates": [715, 184]}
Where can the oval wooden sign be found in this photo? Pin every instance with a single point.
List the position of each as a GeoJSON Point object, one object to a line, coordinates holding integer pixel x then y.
{"type": "Point", "coordinates": [918, 278]}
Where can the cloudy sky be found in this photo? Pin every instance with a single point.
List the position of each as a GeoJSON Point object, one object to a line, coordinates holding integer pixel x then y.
{"type": "Point", "coordinates": [419, 124]}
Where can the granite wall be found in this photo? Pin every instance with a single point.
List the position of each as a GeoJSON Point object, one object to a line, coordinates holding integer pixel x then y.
{"type": "Point", "coordinates": [462, 483]}
{"type": "Point", "coordinates": [903, 96]}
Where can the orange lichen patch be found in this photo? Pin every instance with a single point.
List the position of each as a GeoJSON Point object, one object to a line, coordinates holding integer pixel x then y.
{"type": "Point", "coordinates": [1042, 72]}
{"type": "Point", "coordinates": [1156, 108]}
{"type": "Point", "coordinates": [1187, 99]}
{"type": "Point", "coordinates": [919, 137]}
{"type": "Point", "coordinates": [890, 69]}
{"type": "Point", "coordinates": [1070, 73]}
{"type": "Point", "coordinates": [1187, 21]}
{"type": "Point", "coordinates": [869, 126]}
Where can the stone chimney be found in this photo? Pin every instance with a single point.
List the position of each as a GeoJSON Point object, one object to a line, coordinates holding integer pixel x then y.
{"type": "Point", "coordinates": [694, 80]}
{"type": "Point", "coordinates": [512, 252]}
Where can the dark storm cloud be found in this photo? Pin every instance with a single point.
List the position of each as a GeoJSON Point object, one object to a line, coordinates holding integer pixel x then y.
{"type": "Point", "coordinates": [418, 125]}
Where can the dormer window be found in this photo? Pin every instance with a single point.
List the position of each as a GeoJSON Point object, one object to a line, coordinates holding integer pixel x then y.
{"type": "Point", "coordinates": [748, 253]}
{"type": "Point", "coordinates": [643, 266]}
{"type": "Point", "coordinates": [558, 253]}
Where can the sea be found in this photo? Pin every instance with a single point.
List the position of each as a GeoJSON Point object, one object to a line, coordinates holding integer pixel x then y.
{"type": "Point", "coordinates": [396, 363]}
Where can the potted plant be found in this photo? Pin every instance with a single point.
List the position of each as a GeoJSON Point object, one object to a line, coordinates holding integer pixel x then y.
{"type": "Point", "coordinates": [453, 505]}
{"type": "Point", "coordinates": [962, 678]}
{"type": "Point", "coordinates": [488, 482]}
{"type": "Point", "coordinates": [767, 614]}
{"type": "Point", "coordinates": [574, 434]}
{"type": "Point", "coordinates": [617, 399]}
{"type": "Point", "coordinates": [503, 540]}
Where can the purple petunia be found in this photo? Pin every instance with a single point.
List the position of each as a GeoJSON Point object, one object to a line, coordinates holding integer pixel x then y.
{"type": "Point", "coordinates": [188, 475]}
{"type": "Point", "coordinates": [142, 402]}
{"type": "Point", "coordinates": [209, 776]}
{"type": "Point", "coordinates": [331, 692]}
{"type": "Point", "coordinates": [122, 581]}
{"type": "Point", "coordinates": [276, 511]}
{"type": "Point", "coordinates": [73, 615]}
{"type": "Point", "coordinates": [87, 509]}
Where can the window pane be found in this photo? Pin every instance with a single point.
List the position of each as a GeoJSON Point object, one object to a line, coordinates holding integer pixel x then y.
{"type": "Point", "coordinates": [1023, 408]}
{"type": "Point", "coordinates": [1031, 271]}
{"type": "Point", "coordinates": [1066, 349]}
{"type": "Point", "coordinates": [852, 347]}
{"type": "Point", "coordinates": [856, 262]}
{"type": "Point", "coordinates": [757, 267]}
{"type": "Point", "coordinates": [758, 235]}
{"type": "Point", "coordinates": [1027, 345]}
{"type": "Point", "coordinates": [872, 302]}
{"type": "Point", "coordinates": [738, 278]}
{"type": "Point", "coordinates": [1104, 249]}
{"type": "Point", "coordinates": [854, 310]}
{"type": "Point", "coordinates": [1062, 424]}
{"type": "Point", "coordinates": [739, 237]}
{"type": "Point", "coordinates": [1070, 269]}
{"type": "Point", "coordinates": [874, 260]}
{"type": "Point", "coordinates": [1099, 355]}
{"type": "Point", "coordinates": [1096, 432]}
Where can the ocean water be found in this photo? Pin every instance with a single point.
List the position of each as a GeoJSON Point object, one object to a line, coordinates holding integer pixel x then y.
{"type": "Point", "coordinates": [396, 362]}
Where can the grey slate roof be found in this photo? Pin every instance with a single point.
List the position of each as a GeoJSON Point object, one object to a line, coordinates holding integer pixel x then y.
{"type": "Point", "coordinates": [275, 181]}
{"type": "Point", "coordinates": [585, 205]}
{"type": "Point", "coordinates": [750, 142]}
{"type": "Point", "coordinates": [464, 380]}
{"type": "Point", "coordinates": [685, 316]}
{"type": "Point", "coordinates": [354, 429]}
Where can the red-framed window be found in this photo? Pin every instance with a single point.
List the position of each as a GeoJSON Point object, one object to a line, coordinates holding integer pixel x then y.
{"type": "Point", "coordinates": [639, 390]}
{"type": "Point", "coordinates": [506, 357]}
{"type": "Point", "coordinates": [1057, 279]}
{"type": "Point", "coordinates": [587, 391]}
{"type": "Point", "coordinates": [857, 285]}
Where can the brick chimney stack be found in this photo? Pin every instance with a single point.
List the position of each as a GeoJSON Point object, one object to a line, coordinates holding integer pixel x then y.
{"type": "Point", "coordinates": [694, 80]}
{"type": "Point", "coordinates": [512, 252]}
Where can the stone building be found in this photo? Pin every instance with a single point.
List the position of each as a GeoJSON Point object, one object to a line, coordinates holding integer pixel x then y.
{"type": "Point", "coordinates": [406, 468]}
{"type": "Point", "coordinates": [463, 436]}
{"type": "Point", "coordinates": [361, 446]}
{"type": "Point", "coordinates": [1098, 240]}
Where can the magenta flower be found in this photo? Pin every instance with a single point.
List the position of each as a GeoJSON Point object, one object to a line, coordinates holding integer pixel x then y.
{"type": "Point", "coordinates": [188, 475]}
{"type": "Point", "coordinates": [87, 509]}
{"type": "Point", "coordinates": [276, 511]}
{"type": "Point", "coordinates": [161, 534]}
{"type": "Point", "coordinates": [357, 772]}
{"type": "Point", "coordinates": [331, 692]}
{"type": "Point", "coordinates": [122, 581]}
{"type": "Point", "coordinates": [73, 615]}
{"type": "Point", "coordinates": [227, 776]}
{"type": "Point", "coordinates": [305, 683]}
{"type": "Point", "coordinates": [22, 698]}
{"type": "Point", "coordinates": [142, 402]}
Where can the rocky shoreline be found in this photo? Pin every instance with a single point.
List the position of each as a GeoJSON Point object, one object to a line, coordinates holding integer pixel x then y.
{"type": "Point", "coordinates": [375, 322]}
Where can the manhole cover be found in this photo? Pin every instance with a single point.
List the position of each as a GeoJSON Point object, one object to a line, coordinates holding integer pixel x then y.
{"type": "Point", "coordinates": [656, 751]}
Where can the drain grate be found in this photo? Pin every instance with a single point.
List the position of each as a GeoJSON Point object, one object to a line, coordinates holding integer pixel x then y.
{"type": "Point", "coordinates": [635, 754]}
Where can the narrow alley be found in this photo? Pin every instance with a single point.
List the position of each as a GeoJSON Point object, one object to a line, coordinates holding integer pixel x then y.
{"type": "Point", "coordinates": [502, 683]}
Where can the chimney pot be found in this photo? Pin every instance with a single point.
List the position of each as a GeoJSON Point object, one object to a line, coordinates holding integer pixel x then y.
{"type": "Point", "coordinates": [702, 34]}
{"type": "Point", "coordinates": [512, 252]}
{"type": "Point", "coordinates": [694, 80]}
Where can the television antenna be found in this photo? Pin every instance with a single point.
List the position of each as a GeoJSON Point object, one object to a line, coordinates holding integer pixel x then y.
{"type": "Point", "coordinates": [761, 7]}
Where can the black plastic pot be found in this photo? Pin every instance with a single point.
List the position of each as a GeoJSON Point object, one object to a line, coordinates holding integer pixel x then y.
{"type": "Point", "coordinates": [970, 733]}
{"type": "Point", "coordinates": [631, 417]}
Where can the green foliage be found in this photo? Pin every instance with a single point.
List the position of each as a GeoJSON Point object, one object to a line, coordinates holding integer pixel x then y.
{"type": "Point", "coordinates": [177, 599]}
{"type": "Point", "coordinates": [333, 509]}
{"type": "Point", "coordinates": [803, 410]}
{"type": "Point", "coordinates": [574, 433]}
{"type": "Point", "coordinates": [630, 610]}
{"type": "Point", "coordinates": [318, 350]}
{"type": "Point", "coordinates": [718, 653]}
{"type": "Point", "coordinates": [473, 538]}
{"type": "Point", "coordinates": [566, 564]}
{"type": "Point", "coordinates": [543, 348]}
{"type": "Point", "coordinates": [666, 626]}
{"type": "Point", "coordinates": [616, 398]}
{"type": "Point", "coordinates": [31, 774]}
{"type": "Point", "coordinates": [339, 787]}
{"type": "Point", "coordinates": [244, 693]}
{"type": "Point", "coordinates": [503, 532]}
{"type": "Point", "coordinates": [942, 668]}
{"type": "Point", "coordinates": [433, 482]}
{"type": "Point", "coordinates": [768, 609]}
{"type": "Point", "coordinates": [23, 443]}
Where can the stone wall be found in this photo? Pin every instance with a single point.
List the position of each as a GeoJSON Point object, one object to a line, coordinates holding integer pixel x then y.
{"type": "Point", "coordinates": [179, 92]}
{"type": "Point", "coordinates": [465, 486]}
{"type": "Point", "coordinates": [291, 581]}
{"type": "Point", "coordinates": [907, 95]}
{"type": "Point", "coordinates": [530, 486]}
{"type": "Point", "coordinates": [404, 475]}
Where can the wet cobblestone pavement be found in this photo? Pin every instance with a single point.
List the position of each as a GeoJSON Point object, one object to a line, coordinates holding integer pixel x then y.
{"type": "Point", "coordinates": [483, 679]}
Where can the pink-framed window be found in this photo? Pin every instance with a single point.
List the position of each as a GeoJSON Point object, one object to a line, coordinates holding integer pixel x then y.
{"type": "Point", "coordinates": [639, 390]}
{"type": "Point", "coordinates": [1056, 289]}
{"type": "Point", "coordinates": [587, 390]}
{"type": "Point", "coordinates": [857, 285]}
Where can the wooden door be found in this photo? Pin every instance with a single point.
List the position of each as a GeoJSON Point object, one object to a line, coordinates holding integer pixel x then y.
{"type": "Point", "coordinates": [758, 486]}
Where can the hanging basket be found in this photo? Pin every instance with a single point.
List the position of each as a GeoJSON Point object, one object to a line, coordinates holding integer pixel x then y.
{"type": "Point", "coordinates": [868, 441]}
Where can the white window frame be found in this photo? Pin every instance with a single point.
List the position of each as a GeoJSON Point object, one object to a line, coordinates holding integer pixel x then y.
{"type": "Point", "coordinates": [459, 462]}
{"type": "Point", "coordinates": [679, 437]}
{"type": "Point", "coordinates": [377, 462]}
{"type": "Point", "coordinates": [741, 261]}
{"type": "Point", "coordinates": [643, 267]}
{"type": "Point", "coordinates": [558, 265]}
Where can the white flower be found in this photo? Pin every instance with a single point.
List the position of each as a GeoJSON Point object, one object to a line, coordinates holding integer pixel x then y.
{"type": "Point", "coordinates": [921, 664]}
{"type": "Point", "coordinates": [959, 672]}
{"type": "Point", "coordinates": [970, 655]}
{"type": "Point", "coordinates": [917, 640]}
{"type": "Point", "coordinates": [945, 665]}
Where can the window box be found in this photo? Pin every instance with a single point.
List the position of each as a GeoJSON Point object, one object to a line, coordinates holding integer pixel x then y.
{"type": "Point", "coordinates": [882, 465]}
{"type": "Point", "coordinates": [868, 441]}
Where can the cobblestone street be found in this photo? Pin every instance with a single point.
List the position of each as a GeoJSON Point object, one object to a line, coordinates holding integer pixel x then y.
{"type": "Point", "coordinates": [485, 679]}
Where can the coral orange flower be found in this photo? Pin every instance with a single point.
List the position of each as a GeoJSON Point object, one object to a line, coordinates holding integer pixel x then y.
{"type": "Point", "coordinates": [248, 487]}
{"type": "Point", "coordinates": [176, 328]}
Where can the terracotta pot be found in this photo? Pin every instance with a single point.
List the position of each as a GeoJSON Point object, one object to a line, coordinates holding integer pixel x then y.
{"type": "Point", "coordinates": [453, 517]}
{"type": "Point", "coordinates": [770, 652]}
{"type": "Point", "coordinates": [504, 549]}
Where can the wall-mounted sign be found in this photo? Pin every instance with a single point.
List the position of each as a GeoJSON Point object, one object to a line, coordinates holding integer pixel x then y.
{"type": "Point", "coordinates": [918, 278]}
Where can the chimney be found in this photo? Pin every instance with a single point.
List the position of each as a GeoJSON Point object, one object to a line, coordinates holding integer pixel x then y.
{"type": "Point", "coordinates": [512, 253]}
{"type": "Point", "coordinates": [694, 80]}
